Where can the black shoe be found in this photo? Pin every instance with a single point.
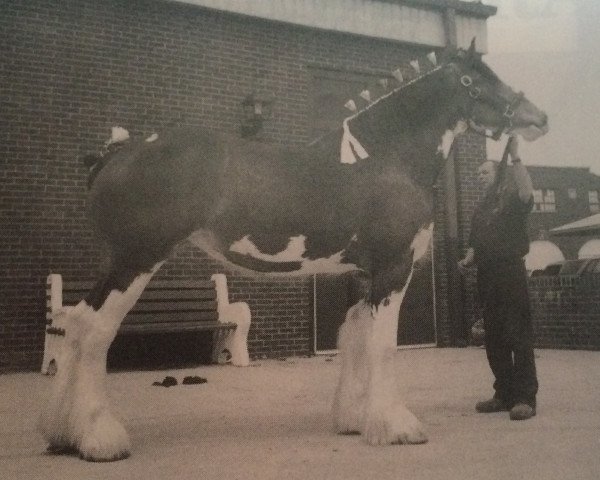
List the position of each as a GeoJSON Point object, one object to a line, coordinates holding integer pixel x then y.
{"type": "Point", "coordinates": [167, 382]}
{"type": "Point", "coordinates": [193, 380]}
{"type": "Point", "coordinates": [522, 411]}
{"type": "Point", "coordinates": [491, 406]}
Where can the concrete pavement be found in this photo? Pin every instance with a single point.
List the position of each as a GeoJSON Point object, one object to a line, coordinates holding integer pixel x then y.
{"type": "Point", "coordinates": [271, 421]}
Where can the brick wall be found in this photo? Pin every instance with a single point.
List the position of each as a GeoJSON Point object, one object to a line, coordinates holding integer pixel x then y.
{"type": "Point", "coordinates": [72, 69]}
{"type": "Point", "coordinates": [471, 153]}
{"type": "Point", "coordinates": [566, 311]}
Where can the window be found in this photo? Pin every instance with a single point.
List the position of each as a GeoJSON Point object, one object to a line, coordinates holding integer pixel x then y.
{"type": "Point", "coordinates": [572, 193]}
{"type": "Point", "coordinates": [594, 203]}
{"type": "Point", "coordinates": [544, 200]}
{"type": "Point", "coordinates": [330, 90]}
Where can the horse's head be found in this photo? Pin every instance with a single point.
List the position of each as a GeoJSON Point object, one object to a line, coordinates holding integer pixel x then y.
{"type": "Point", "coordinates": [488, 105]}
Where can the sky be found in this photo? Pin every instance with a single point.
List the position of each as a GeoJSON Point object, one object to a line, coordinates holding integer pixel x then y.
{"type": "Point", "coordinates": [549, 50]}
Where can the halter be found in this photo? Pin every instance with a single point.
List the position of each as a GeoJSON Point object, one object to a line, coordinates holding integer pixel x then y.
{"type": "Point", "coordinates": [476, 94]}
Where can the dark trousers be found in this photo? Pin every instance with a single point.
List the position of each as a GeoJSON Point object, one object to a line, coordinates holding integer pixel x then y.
{"type": "Point", "coordinates": [504, 297]}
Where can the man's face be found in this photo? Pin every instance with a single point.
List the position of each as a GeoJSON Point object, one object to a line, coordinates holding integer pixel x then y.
{"type": "Point", "coordinates": [486, 174]}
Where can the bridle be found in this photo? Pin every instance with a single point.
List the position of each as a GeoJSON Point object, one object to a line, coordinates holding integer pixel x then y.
{"type": "Point", "coordinates": [477, 94]}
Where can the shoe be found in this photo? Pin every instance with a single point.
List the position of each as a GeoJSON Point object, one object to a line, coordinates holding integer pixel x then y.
{"type": "Point", "coordinates": [193, 380]}
{"type": "Point", "coordinates": [522, 411]}
{"type": "Point", "coordinates": [491, 406]}
{"type": "Point", "coordinates": [167, 382]}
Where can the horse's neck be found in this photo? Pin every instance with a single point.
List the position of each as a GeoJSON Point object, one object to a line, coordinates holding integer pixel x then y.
{"type": "Point", "coordinates": [404, 125]}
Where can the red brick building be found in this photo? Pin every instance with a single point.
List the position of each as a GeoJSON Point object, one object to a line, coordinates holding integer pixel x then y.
{"type": "Point", "coordinates": [563, 195]}
{"type": "Point", "coordinates": [72, 69]}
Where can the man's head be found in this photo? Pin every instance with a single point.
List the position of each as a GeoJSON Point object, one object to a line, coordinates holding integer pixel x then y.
{"type": "Point", "coordinates": [486, 174]}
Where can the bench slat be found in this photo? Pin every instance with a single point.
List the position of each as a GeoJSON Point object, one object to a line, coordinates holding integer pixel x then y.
{"type": "Point", "coordinates": [128, 328]}
{"type": "Point", "coordinates": [175, 294]}
{"type": "Point", "coordinates": [175, 306]}
{"type": "Point", "coordinates": [71, 297]}
{"type": "Point", "coordinates": [84, 285]}
{"type": "Point", "coordinates": [179, 284]}
{"type": "Point", "coordinates": [171, 317]}
{"type": "Point", "coordinates": [78, 285]}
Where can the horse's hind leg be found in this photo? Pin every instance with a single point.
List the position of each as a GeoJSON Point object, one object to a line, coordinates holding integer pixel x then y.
{"type": "Point", "coordinates": [77, 415]}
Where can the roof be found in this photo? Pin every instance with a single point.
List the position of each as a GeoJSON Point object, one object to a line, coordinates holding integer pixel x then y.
{"type": "Point", "coordinates": [589, 224]}
{"type": "Point", "coordinates": [418, 22]}
{"type": "Point", "coordinates": [562, 177]}
{"type": "Point", "coordinates": [474, 8]}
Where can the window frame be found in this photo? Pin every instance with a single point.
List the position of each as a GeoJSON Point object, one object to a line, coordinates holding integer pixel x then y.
{"type": "Point", "coordinates": [594, 201]}
{"type": "Point", "coordinates": [544, 200]}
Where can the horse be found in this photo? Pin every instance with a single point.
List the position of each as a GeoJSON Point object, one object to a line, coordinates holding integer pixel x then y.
{"type": "Point", "coordinates": [357, 199]}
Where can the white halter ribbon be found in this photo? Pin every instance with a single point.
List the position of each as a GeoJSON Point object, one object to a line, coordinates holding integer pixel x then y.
{"type": "Point", "coordinates": [351, 146]}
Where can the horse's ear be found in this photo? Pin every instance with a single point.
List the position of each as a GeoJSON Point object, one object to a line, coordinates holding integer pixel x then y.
{"type": "Point", "coordinates": [471, 50]}
{"type": "Point", "coordinates": [471, 55]}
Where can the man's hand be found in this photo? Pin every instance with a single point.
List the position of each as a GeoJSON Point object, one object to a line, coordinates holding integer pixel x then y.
{"type": "Point", "coordinates": [513, 148]}
{"type": "Point", "coordinates": [522, 178]}
{"type": "Point", "coordinates": [467, 262]}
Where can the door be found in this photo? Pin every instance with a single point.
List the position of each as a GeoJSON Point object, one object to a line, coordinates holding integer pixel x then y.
{"type": "Point", "coordinates": [334, 295]}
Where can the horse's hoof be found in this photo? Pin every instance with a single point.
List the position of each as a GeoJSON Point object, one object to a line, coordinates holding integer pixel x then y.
{"type": "Point", "coordinates": [114, 458]}
{"type": "Point", "coordinates": [412, 438]}
{"type": "Point", "coordinates": [399, 428]}
{"type": "Point", "coordinates": [105, 440]}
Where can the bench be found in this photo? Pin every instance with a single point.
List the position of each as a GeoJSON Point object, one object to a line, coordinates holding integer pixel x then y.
{"type": "Point", "coordinates": [165, 306]}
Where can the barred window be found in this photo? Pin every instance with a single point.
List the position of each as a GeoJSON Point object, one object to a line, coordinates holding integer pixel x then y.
{"type": "Point", "coordinates": [544, 200]}
{"type": "Point", "coordinates": [594, 203]}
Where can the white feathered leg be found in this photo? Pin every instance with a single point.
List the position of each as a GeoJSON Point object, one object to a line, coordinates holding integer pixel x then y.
{"type": "Point", "coordinates": [350, 395]}
{"type": "Point", "coordinates": [386, 418]}
{"type": "Point", "coordinates": [77, 415]}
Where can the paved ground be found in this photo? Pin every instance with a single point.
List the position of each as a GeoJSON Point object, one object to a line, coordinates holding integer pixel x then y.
{"type": "Point", "coordinates": [270, 421]}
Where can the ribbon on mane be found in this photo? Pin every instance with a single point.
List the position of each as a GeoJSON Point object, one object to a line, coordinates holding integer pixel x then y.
{"type": "Point", "coordinates": [350, 147]}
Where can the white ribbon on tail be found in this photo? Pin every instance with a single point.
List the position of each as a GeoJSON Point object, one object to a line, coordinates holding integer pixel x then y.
{"type": "Point", "coordinates": [351, 147]}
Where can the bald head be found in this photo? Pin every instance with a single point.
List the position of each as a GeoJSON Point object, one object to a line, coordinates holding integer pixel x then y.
{"type": "Point", "coordinates": [486, 173]}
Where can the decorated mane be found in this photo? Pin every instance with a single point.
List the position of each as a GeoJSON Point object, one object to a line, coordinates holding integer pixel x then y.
{"type": "Point", "coordinates": [404, 77]}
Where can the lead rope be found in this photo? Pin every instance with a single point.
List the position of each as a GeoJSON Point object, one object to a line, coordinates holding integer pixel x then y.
{"type": "Point", "coordinates": [501, 185]}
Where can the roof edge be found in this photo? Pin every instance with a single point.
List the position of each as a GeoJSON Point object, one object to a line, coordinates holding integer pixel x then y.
{"type": "Point", "coordinates": [477, 9]}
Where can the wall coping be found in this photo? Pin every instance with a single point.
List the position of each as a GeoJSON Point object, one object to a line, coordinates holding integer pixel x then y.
{"type": "Point", "coordinates": [412, 21]}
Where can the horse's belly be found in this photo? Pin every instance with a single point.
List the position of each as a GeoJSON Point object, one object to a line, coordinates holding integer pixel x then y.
{"type": "Point", "coordinates": [291, 260]}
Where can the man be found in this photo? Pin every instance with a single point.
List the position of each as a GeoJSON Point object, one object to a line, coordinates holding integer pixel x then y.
{"type": "Point", "coordinates": [498, 243]}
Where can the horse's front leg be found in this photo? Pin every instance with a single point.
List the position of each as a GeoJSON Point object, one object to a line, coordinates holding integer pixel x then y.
{"type": "Point", "coordinates": [386, 419]}
{"type": "Point", "coordinates": [77, 416]}
{"type": "Point", "coordinates": [350, 395]}
{"type": "Point", "coordinates": [366, 399]}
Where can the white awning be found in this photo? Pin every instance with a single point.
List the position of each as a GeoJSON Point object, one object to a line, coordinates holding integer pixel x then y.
{"type": "Point", "coordinates": [419, 22]}
{"type": "Point", "coordinates": [589, 224]}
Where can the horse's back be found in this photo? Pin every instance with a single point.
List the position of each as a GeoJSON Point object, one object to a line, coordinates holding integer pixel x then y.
{"type": "Point", "coordinates": [161, 188]}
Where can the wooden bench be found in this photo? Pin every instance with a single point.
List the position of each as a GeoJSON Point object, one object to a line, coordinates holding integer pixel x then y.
{"type": "Point", "coordinates": [164, 307]}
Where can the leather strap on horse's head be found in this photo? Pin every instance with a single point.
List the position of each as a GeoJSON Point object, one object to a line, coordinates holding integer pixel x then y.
{"type": "Point", "coordinates": [476, 94]}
